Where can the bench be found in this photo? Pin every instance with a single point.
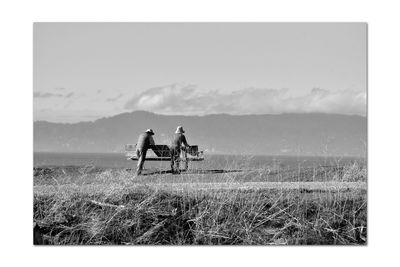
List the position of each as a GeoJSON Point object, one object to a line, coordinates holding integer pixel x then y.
{"type": "Point", "coordinates": [163, 153]}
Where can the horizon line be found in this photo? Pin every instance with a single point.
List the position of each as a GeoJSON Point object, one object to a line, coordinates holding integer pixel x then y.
{"type": "Point", "coordinates": [204, 115]}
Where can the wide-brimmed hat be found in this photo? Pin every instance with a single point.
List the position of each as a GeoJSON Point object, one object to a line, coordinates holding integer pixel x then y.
{"type": "Point", "coordinates": [179, 129]}
{"type": "Point", "coordinates": [150, 131]}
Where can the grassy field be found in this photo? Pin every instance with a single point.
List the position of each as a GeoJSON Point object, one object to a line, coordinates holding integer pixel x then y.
{"type": "Point", "coordinates": [98, 206]}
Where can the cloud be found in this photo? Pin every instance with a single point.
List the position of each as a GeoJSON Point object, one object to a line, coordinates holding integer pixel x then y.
{"type": "Point", "coordinates": [69, 95]}
{"type": "Point", "coordinates": [49, 95]}
{"type": "Point", "coordinates": [187, 99]}
{"type": "Point", "coordinates": [113, 99]}
{"type": "Point", "coordinates": [46, 95]}
{"type": "Point", "coordinates": [59, 88]}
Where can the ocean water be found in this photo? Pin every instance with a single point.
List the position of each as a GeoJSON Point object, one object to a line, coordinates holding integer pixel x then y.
{"type": "Point", "coordinates": [214, 162]}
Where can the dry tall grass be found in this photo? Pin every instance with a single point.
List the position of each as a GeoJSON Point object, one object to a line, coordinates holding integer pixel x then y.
{"type": "Point", "coordinates": [108, 207]}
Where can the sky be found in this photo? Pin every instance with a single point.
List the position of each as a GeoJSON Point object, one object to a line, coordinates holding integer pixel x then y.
{"type": "Point", "coordinates": [85, 71]}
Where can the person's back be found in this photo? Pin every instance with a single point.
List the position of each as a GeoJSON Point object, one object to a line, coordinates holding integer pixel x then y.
{"type": "Point", "coordinates": [178, 140]}
{"type": "Point", "coordinates": [145, 141]}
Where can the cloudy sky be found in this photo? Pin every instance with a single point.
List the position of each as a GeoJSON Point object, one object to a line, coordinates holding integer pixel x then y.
{"type": "Point", "coordinates": [84, 71]}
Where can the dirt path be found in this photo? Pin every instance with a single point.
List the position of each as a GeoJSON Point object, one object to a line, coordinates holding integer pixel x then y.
{"type": "Point", "coordinates": [112, 187]}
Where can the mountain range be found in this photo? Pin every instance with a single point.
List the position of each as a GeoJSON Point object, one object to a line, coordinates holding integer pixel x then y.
{"type": "Point", "coordinates": [311, 134]}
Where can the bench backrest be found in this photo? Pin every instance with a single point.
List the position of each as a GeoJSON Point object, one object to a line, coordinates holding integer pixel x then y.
{"type": "Point", "coordinates": [161, 150]}
{"type": "Point", "coordinates": [193, 150]}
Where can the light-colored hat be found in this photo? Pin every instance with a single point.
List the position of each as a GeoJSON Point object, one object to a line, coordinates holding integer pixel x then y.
{"type": "Point", "coordinates": [150, 131]}
{"type": "Point", "coordinates": [179, 129]}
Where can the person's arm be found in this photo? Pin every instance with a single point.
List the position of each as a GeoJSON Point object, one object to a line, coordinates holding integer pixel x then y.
{"type": "Point", "coordinates": [184, 141]}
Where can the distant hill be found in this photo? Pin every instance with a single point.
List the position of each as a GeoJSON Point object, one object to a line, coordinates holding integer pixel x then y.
{"type": "Point", "coordinates": [284, 134]}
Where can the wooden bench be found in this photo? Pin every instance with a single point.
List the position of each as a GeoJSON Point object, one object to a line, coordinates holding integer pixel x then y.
{"type": "Point", "coordinates": [163, 153]}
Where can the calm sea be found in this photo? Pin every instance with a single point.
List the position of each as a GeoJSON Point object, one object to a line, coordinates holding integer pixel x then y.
{"type": "Point", "coordinates": [114, 160]}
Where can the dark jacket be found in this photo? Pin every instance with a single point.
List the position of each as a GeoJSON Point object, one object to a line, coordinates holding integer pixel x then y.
{"type": "Point", "coordinates": [145, 141]}
{"type": "Point", "coordinates": [178, 140]}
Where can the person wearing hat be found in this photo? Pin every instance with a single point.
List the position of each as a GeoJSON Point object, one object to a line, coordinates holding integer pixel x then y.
{"type": "Point", "coordinates": [144, 142]}
{"type": "Point", "coordinates": [178, 141]}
